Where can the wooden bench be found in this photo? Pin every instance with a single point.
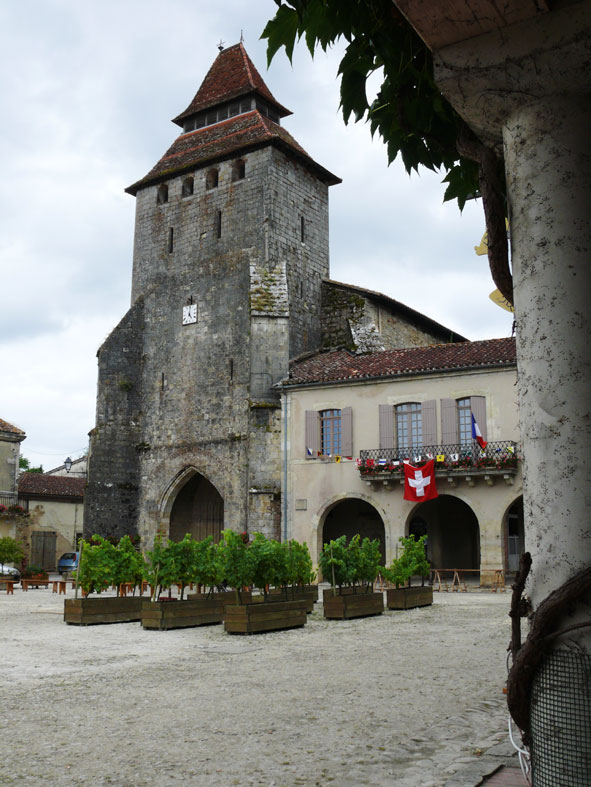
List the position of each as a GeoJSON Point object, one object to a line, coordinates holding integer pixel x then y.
{"type": "Point", "coordinates": [9, 586]}
{"type": "Point", "coordinates": [34, 583]}
{"type": "Point", "coordinates": [58, 586]}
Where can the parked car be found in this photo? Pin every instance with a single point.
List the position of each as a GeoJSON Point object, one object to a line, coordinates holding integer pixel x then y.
{"type": "Point", "coordinates": [8, 572]}
{"type": "Point", "coordinates": [68, 562]}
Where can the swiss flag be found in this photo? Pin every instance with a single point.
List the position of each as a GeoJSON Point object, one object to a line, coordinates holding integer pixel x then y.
{"type": "Point", "coordinates": [419, 482]}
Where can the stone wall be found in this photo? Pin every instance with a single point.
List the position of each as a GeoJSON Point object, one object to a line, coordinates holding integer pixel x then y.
{"type": "Point", "coordinates": [111, 498]}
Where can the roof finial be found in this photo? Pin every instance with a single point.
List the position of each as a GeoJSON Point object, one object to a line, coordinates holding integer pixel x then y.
{"type": "Point", "coordinates": [242, 36]}
{"type": "Point", "coordinates": [221, 45]}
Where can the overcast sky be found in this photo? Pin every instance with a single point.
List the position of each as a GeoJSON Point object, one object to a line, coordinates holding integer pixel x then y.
{"type": "Point", "coordinates": [88, 90]}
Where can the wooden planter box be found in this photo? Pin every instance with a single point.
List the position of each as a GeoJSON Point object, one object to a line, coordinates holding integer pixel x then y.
{"type": "Point", "coordinates": [164, 615]}
{"type": "Point", "coordinates": [352, 602]}
{"type": "Point", "coordinates": [408, 598]}
{"type": "Point", "coordinates": [307, 593]}
{"type": "Point", "coordinates": [264, 616]}
{"type": "Point", "coordinates": [226, 596]}
{"type": "Point", "coordinates": [88, 611]}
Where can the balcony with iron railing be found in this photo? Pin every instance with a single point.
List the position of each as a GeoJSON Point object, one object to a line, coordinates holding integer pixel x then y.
{"type": "Point", "coordinates": [456, 462]}
{"type": "Point", "coordinates": [12, 502]}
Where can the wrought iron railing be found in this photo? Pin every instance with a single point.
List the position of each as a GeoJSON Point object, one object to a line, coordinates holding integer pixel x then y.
{"type": "Point", "coordinates": [8, 501]}
{"type": "Point", "coordinates": [499, 455]}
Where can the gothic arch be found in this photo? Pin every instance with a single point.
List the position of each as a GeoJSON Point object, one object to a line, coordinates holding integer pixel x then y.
{"type": "Point", "coordinates": [513, 535]}
{"type": "Point", "coordinates": [192, 504]}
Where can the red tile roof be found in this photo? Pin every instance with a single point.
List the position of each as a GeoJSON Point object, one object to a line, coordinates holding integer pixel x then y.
{"type": "Point", "coordinates": [41, 485]}
{"type": "Point", "coordinates": [232, 74]}
{"type": "Point", "coordinates": [6, 427]}
{"type": "Point", "coordinates": [224, 139]}
{"type": "Point", "coordinates": [342, 365]}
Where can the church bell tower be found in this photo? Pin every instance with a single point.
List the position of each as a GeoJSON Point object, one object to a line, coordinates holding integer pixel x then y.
{"type": "Point", "coordinates": [230, 250]}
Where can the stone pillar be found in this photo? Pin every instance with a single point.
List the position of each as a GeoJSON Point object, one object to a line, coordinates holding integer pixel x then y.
{"type": "Point", "coordinates": [548, 170]}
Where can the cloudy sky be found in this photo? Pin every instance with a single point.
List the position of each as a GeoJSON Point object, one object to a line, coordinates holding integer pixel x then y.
{"type": "Point", "coordinates": [88, 90]}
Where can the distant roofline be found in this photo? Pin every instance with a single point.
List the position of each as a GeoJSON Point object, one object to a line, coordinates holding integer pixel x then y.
{"type": "Point", "coordinates": [409, 311]}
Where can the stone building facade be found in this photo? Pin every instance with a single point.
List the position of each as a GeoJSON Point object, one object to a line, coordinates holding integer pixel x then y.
{"type": "Point", "coordinates": [352, 420]}
{"type": "Point", "coordinates": [230, 282]}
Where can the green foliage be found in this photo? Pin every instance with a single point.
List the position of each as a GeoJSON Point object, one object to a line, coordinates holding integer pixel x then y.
{"type": "Point", "coordinates": [237, 562]}
{"type": "Point", "coordinates": [409, 112]}
{"type": "Point", "coordinates": [128, 563]}
{"type": "Point", "coordinates": [208, 568]}
{"type": "Point", "coordinates": [412, 562]}
{"type": "Point", "coordinates": [301, 570]}
{"type": "Point", "coordinates": [25, 464]}
{"type": "Point", "coordinates": [11, 551]}
{"type": "Point", "coordinates": [352, 563]}
{"type": "Point", "coordinates": [104, 564]}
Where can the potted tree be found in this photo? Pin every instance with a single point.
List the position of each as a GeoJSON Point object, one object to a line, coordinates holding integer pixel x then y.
{"type": "Point", "coordinates": [262, 563]}
{"type": "Point", "coordinates": [411, 563]}
{"type": "Point", "coordinates": [352, 568]}
{"type": "Point", "coordinates": [209, 574]}
{"type": "Point", "coordinates": [182, 563]}
{"type": "Point", "coordinates": [103, 565]}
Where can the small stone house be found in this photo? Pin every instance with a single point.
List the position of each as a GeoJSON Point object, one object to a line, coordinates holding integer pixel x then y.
{"type": "Point", "coordinates": [10, 439]}
{"type": "Point", "coordinates": [55, 505]}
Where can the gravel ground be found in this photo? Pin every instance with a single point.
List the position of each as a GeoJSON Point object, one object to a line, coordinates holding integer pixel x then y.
{"type": "Point", "coordinates": [408, 698]}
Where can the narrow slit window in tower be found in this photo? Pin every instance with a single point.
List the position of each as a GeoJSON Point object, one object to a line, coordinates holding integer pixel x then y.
{"type": "Point", "coordinates": [170, 240]}
{"type": "Point", "coordinates": [302, 230]}
{"type": "Point", "coordinates": [218, 224]}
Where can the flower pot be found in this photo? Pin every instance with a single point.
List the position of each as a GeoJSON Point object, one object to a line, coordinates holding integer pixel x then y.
{"type": "Point", "coordinates": [264, 616]}
{"type": "Point", "coordinates": [408, 598]}
{"type": "Point", "coordinates": [163, 615]}
{"type": "Point", "coordinates": [109, 609]}
{"type": "Point", "coordinates": [358, 601]}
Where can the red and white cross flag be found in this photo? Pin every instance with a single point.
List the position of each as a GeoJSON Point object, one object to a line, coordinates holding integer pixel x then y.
{"type": "Point", "coordinates": [419, 482]}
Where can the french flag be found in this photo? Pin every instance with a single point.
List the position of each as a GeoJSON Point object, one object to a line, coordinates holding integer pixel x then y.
{"type": "Point", "coordinates": [476, 434]}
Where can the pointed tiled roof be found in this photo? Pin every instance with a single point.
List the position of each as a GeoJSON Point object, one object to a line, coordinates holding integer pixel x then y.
{"type": "Point", "coordinates": [342, 365]}
{"type": "Point", "coordinates": [224, 139]}
{"type": "Point", "coordinates": [232, 74]}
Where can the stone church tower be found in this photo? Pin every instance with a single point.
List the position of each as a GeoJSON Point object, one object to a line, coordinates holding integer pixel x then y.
{"type": "Point", "coordinates": [231, 249]}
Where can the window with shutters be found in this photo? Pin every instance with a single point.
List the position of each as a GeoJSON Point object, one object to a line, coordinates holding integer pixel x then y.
{"type": "Point", "coordinates": [464, 421]}
{"type": "Point", "coordinates": [409, 425]}
{"type": "Point", "coordinates": [330, 432]}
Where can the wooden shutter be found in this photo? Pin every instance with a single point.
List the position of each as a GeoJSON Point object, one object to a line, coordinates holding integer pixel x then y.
{"type": "Point", "coordinates": [478, 406]}
{"type": "Point", "coordinates": [449, 422]}
{"type": "Point", "coordinates": [312, 434]}
{"type": "Point", "coordinates": [386, 426]}
{"type": "Point", "coordinates": [347, 431]}
{"type": "Point", "coordinates": [428, 414]}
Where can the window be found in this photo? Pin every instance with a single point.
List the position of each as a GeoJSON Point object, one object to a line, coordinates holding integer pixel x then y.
{"type": "Point", "coordinates": [456, 419]}
{"type": "Point", "coordinates": [212, 179]}
{"type": "Point", "coordinates": [330, 432]}
{"type": "Point", "coordinates": [409, 425]}
{"type": "Point", "coordinates": [218, 224]}
{"type": "Point", "coordinates": [162, 194]}
{"type": "Point", "coordinates": [170, 240]}
{"type": "Point", "coordinates": [464, 421]}
{"type": "Point", "coordinates": [302, 230]}
{"type": "Point", "coordinates": [238, 170]}
{"type": "Point", "coordinates": [188, 184]}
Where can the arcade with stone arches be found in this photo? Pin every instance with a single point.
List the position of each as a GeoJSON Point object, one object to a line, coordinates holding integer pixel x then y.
{"type": "Point", "coordinates": [194, 505]}
{"type": "Point", "coordinates": [351, 516]}
{"type": "Point", "coordinates": [452, 530]}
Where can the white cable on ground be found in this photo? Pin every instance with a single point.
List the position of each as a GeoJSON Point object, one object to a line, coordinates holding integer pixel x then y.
{"type": "Point", "coordinates": [523, 755]}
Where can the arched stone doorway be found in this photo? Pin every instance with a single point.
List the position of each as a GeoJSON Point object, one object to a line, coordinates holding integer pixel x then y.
{"type": "Point", "coordinates": [452, 530]}
{"type": "Point", "coordinates": [514, 536]}
{"type": "Point", "coordinates": [198, 509]}
{"type": "Point", "coordinates": [352, 516]}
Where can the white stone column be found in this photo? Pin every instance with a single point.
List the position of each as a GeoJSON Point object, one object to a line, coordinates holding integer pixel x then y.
{"type": "Point", "coordinates": [548, 167]}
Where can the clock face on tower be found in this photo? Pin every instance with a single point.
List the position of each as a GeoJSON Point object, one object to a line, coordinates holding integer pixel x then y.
{"type": "Point", "coordinates": [189, 314]}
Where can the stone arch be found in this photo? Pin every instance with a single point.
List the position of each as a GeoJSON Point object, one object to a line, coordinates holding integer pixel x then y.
{"type": "Point", "coordinates": [192, 504]}
{"type": "Point", "coordinates": [212, 178]}
{"type": "Point", "coordinates": [188, 186]}
{"type": "Point", "coordinates": [162, 194]}
{"type": "Point", "coordinates": [452, 530]}
{"type": "Point", "coordinates": [513, 535]}
{"type": "Point", "coordinates": [349, 515]}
